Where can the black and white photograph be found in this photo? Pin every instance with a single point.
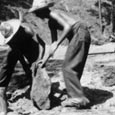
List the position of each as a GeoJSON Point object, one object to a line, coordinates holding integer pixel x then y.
{"type": "Point", "coordinates": [57, 57]}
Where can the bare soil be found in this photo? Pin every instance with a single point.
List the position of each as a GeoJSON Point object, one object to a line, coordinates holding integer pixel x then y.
{"type": "Point", "coordinates": [98, 82]}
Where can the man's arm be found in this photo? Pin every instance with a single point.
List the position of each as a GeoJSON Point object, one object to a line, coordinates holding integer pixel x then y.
{"type": "Point", "coordinates": [28, 29]}
{"type": "Point", "coordinates": [66, 27]}
{"type": "Point", "coordinates": [53, 30]}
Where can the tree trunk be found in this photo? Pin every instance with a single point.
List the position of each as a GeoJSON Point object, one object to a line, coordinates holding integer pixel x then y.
{"type": "Point", "coordinates": [100, 16]}
{"type": "Point", "coordinates": [113, 16]}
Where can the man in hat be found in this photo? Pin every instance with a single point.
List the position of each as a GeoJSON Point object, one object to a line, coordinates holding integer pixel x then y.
{"type": "Point", "coordinates": [23, 44]}
{"type": "Point", "coordinates": [79, 41]}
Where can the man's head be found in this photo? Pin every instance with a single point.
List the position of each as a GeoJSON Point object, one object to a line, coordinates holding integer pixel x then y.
{"type": "Point", "coordinates": [8, 30]}
{"type": "Point", "coordinates": [41, 4]}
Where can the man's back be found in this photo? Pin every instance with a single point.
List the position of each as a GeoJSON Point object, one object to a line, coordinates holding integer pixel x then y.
{"type": "Point", "coordinates": [24, 40]}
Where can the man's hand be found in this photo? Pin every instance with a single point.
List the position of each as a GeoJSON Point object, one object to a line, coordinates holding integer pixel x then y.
{"type": "Point", "coordinates": [48, 54]}
{"type": "Point", "coordinates": [41, 63]}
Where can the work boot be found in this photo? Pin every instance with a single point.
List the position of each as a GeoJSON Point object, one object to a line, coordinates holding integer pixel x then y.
{"type": "Point", "coordinates": [3, 105]}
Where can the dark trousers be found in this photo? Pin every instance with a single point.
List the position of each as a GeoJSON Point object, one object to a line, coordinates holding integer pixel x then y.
{"type": "Point", "coordinates": [22, 45]}
{"type": "Point", "coordinates": [75, 59]}
{"type": "Point", "coordinates": [8, 65]}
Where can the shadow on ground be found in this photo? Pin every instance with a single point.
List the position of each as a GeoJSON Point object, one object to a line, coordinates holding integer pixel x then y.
{"type": "Point", "coordinates": [97, 96]}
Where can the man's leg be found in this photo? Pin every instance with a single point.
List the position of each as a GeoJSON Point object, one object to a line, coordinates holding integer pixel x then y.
{"type": "Point", "coordinates": [6, 70]}
{"type": "Point", "coordinates": [75, 59]}
{"type": "Point", "coordinates": [26, 66]}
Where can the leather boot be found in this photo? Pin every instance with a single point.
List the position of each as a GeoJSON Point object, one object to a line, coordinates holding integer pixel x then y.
{"type": "Point", "coordinates": [3, 105]}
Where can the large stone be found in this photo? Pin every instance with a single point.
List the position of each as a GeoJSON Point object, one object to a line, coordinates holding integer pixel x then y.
{"type": "Point", "coordinates": [41, 87]}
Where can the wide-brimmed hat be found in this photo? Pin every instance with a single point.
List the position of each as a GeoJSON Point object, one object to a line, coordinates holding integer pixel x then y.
{"type": "Point", "coordinates": [8, 29]}
{"type": "Point", "coordinates": [40, 4]}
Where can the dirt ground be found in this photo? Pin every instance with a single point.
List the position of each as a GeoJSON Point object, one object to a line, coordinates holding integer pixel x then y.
{"type": "Point", "coordinates": [98, 82]}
